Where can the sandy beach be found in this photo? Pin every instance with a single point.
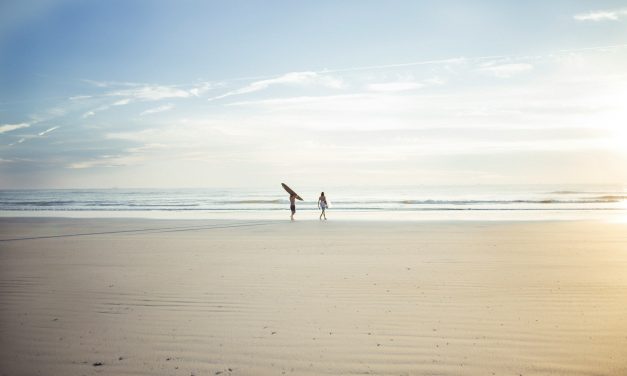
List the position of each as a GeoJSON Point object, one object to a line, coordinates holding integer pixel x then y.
{"type": "Point", "coordinates": [176, 297]}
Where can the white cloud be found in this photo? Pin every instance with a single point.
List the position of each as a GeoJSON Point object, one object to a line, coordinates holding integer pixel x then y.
{"type": "Point", "coordinates": [602, 15]}
{"type": "Point", "coordinates": [455, 60]}
{"type": "Point", "coordinates": [48, 131]}
{"type": "Point", "coordinates": [150, 93]}
{"type": "Point", "coordinates": [110, 83]}
{"type": "Point", "coordinates": [505, 70]}
{"type": "Point", "coordinates": [31, 136]}
{"type": "Point", "coordinates": [57, 111]}
{"type": "Point", "coordinates": [80, 97]}
{"type": "Point", "coordinates": [11, 127]}
{"type": "Point", "coordinates": [292, 78]}
{"type": "Point", "coordinates": [128, 157]}
{"type": "Point", "coordinates": [155, 110]}
{"type": "Point", "coordinates": [145, 93]}
{"type": "Point", "coordinates": [122, 102]}
{"type": "Point", "coordinates": [99, 109]}
{"type": "Point", "coordinates": [133, 91]}
{"type": "Point", "coordinates": [142, 93]}
{"type": "Point", "coordinates": [107, 161]}
{"type": "Point", "coordinates": [403, 85]}
{"type": "Point", "coordinates": [395, 86]}
{"type": "Point", "coordinates": [434, 81]}
{"type": "Point", "coordinates": [340, 104]}
{"type": "Point", "coordinates": [148, 147]}
{"type": "Point", "coordinates": [200, 89]}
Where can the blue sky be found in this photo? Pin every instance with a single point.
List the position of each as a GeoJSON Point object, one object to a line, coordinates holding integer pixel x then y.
{"type": "Point", "coordinates": [241, 93]}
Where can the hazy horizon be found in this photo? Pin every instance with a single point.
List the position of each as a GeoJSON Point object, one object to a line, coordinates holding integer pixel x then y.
{"type": "Point", "coordinates": [276, 186]}
{"type": "Point", "coordinates": [138, 94]}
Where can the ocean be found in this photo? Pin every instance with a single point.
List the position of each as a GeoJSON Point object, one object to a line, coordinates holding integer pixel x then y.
{"type": "Point", "coordinates": [423, 202]}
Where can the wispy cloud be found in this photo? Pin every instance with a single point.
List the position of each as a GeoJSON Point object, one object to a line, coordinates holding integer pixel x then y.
{"type": "Point", "coordinates": [155, 110]}
{"type": "Point", "coordinates": [11, 127]}
{"type": "Point", "coordinates": [406, 85]}
{"type": "Point", "coordinates": [31, 136]}
{"type": "Point", "coordinates": [56, 112]}
{"type": "Point", "coordinates": [130, 92]}
{"type": "Point", "coordinates": [395, 86]}
{"type": "Point", "coordinates": [127, 157]}
{"type": "Point", "coordinates": [48, 131]}
{"type": "Point", "coordinates": [455, 60]}
{"type": "Point", "coordinates": [79, 97]}
{"type": "Point", "coordinates": [122, 102]}
{"type": "Point", "coordinates": [18, 141]}
{"type": "Point", "coordinates": [107, 161]}
{"type": "Point", "coordinates": [93, 112]}
{"type": "Point", "coordinates": [150, 93]}
{"type": "Point", "coordinates": [147, 148]}
{"type": "Point", "coordinates": [201, 88]}
{"type": "Point", "coordinates": [292, 78]}
{"type": "Point", "coordinates": [104, 107]}
{"type": "Point", "coordinates": [147, 92]}
{"type": "Point", "coordinates": [98, 83]}
{"type": "Point", "coordinates": [505, 70]}
{"type": "Point", "coordinates": [602, 15]}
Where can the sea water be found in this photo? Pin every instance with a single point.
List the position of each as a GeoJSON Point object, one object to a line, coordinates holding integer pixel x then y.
{"type": "Point", "coordinates": [489, 202]}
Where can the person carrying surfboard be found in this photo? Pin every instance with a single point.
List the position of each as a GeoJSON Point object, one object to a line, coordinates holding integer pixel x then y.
{"type": "Point", "coordinates": [293, 197]}
{"type": "Point", "coordinates": [293, 205]}
{"type": "Point", "coordinates": [322, 204]}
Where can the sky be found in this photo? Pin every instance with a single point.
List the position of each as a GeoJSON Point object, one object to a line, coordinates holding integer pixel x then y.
{"type": "Point", "coordinates": [165, 94]}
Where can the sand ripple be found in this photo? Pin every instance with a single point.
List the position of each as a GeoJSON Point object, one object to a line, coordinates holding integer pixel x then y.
{"type": "Point", "coordinates": [402, 299]}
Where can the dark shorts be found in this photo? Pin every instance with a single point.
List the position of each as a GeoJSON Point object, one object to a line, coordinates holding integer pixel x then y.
{"type": "Point", "coordinates": [293, 208]}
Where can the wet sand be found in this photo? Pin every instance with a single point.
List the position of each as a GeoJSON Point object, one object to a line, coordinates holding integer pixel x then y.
{"type": "Point", "coordinates": [164, 297]}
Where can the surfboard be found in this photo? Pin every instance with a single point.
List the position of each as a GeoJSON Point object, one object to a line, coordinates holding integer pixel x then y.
{"type": "Point", "coordinates": [290, 191]}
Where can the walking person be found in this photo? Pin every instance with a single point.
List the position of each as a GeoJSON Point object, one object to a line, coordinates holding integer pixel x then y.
{"type": "Point", "coordinates": [322, 204]}
{"type": "Point", "coordinates": [293, 197]}
{"type": "Point", "coordinates": [293, 205]}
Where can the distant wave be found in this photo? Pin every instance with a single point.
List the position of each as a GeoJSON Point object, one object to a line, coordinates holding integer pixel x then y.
{"type": "Point", "coordinates": [39, 203]}
{"type": "Point", "coordinates": [96, 209]}
{"type": "Point", "coordinates": [277, 201]}
{"type": "Point", "coordinates": [585, 192]}
{"type": "Point", "coordinates": [190, 204]}
{"type": "Point", "coordinates": [603, 199]}
{"type": "Point", "coordinates": [613, 198]}
{"type": "Point", "coordinates": [88, 204]}
{"type": "Point", "coordinates": [157, 205]}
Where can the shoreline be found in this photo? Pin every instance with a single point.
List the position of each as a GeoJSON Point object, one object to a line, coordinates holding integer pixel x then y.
{"type": "Point", "coordinates": [472, 215]}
